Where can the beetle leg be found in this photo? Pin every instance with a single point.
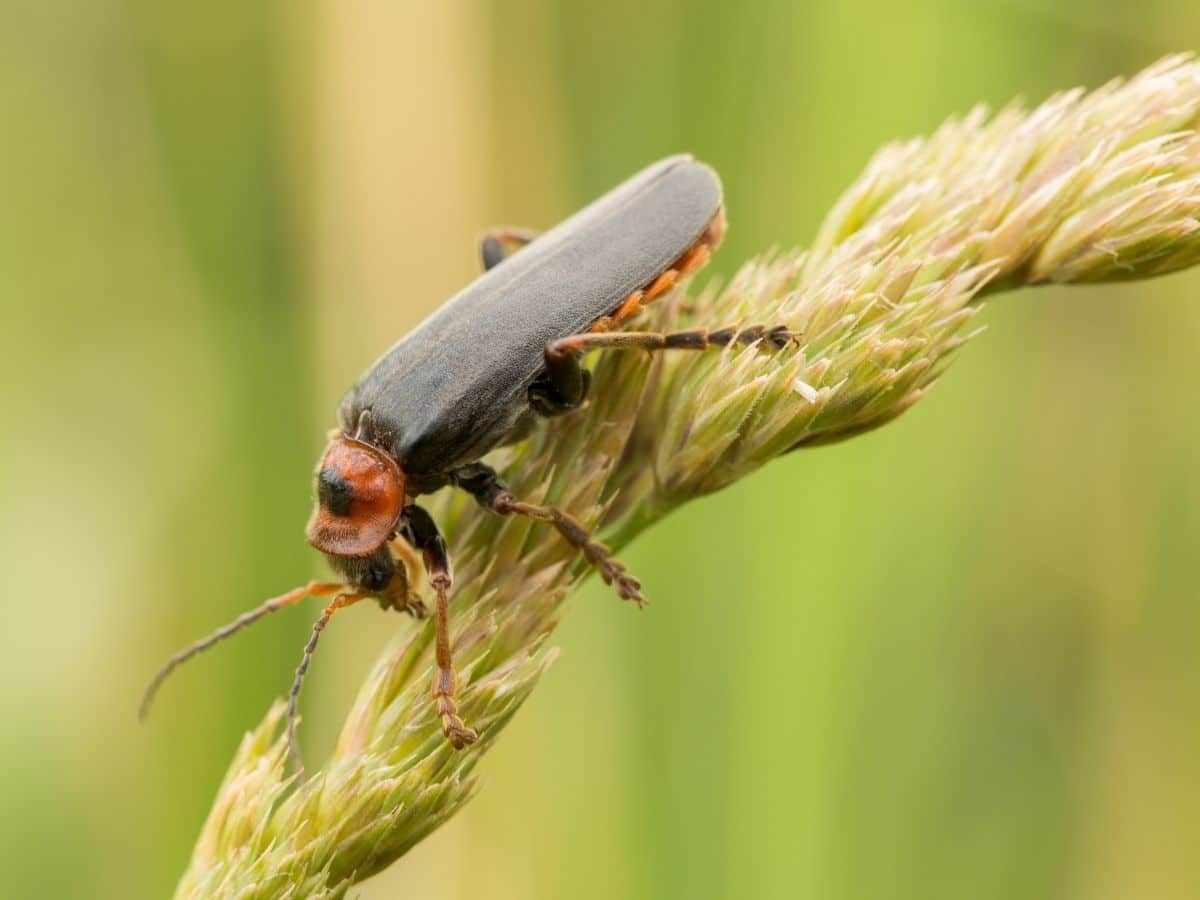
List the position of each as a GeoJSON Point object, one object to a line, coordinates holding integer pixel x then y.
{"type": "Point", "coordinates": [399, 591]}
{"type": "Point", "coordinates": [561, 388]}
{"type": "Point", "coordinates": [564, 385]}
{"type": "Point", "coordinates": [497, 243]}
{"type": "Point", "coordinates": [776, 337]}
{"type": "Point", "coordinates": [482, 483]}
{"type": "Point", "coordinates": [421, 531]}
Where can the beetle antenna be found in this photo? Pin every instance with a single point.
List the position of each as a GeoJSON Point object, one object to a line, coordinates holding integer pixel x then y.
{"type": "Point", "coordinates": [313, 588]}
{"type": "Point", "coordinates": [339, 602]}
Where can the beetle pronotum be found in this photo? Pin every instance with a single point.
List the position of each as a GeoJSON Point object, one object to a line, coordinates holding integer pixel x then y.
{"type": "Point", "coordinates": [476, 375]}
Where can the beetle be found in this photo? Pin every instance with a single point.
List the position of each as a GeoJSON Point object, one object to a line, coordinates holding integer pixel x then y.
{"type": "Point", "coordinates": [479, 373]}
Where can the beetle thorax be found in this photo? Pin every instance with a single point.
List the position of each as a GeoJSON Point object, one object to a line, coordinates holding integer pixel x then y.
{"type": "Point", "coordinates": [360, 495]}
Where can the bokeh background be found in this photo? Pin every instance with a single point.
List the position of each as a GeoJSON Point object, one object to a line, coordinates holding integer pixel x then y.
{"type": "Point", "coordinates": [953, 658]}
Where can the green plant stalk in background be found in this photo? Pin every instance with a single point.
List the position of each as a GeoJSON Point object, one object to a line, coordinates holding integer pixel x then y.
{"type": "Point", "coordinates": [1085, 188]}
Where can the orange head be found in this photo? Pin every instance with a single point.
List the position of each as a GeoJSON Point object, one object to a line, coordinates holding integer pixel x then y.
{"type": "Point", "coordinates": [360, 494]}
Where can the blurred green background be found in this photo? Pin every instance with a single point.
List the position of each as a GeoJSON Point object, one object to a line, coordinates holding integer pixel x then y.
{"type": "Point", "coordinates": [954, 658]}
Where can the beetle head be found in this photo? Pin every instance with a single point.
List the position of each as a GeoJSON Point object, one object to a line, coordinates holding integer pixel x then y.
{"type": "Point", "coordinates": [360, 494]}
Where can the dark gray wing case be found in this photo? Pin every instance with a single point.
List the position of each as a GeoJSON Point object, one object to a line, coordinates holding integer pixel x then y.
{"type": "Point", "coordinates": [456, 385]}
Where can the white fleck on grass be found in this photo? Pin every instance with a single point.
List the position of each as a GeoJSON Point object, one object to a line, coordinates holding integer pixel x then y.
{"type": "Point", "coordinates": [806, 390]}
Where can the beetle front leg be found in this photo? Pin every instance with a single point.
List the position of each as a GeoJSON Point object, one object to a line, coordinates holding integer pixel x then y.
{"type": "Point", "coordinates": [482, 483]}
{"type": "Point", "coordinates": [498, 243]}
{"type": "Point", "coordinates": [421, 531]}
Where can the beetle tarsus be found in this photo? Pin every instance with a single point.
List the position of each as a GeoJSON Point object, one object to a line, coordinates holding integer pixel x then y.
{"type": "Point", "coordinates": [445, 682]}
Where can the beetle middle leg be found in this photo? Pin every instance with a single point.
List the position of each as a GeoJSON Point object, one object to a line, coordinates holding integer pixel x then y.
{"type": "Point", "coordinates": [481, 482]}
{"type": "Point", "coordinates": [421, 531]}
{"type": "Point", "coordinates": [498, 243]}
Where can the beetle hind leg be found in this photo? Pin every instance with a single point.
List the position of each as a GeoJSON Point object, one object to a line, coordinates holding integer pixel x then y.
{"type": "Point", "coordinates": [482, 483]}
{"type": "Point", "coordinates": [768, 337]}
{"type": "Point", "coordinates": [564, 385]}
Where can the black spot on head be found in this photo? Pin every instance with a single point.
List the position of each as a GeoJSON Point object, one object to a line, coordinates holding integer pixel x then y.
{"type": "Point", "coordinates": [334, 492]}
